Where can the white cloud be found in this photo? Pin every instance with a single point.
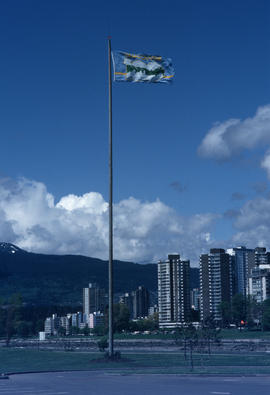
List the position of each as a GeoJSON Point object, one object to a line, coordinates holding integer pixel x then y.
{"type": "Point", "coordinates": [254, 213]}
{"type": "Point", "coordinates": [252, 223]}
{"type": "Point", "coordinates": [144, 231]}
{"type": "Point", "coordinates": [266, 163]}
{"type": "Point", "coordinates": [224, 140]}
{"type": "Point", "coordinates": [232, 136]}
{"type": "Point", "coordinates": [91, 202]}
{"type": "Point", "coordinates": [214, 144]}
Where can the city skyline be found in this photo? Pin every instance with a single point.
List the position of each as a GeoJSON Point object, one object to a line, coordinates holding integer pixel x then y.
{"type": "Point", "coordinates": [191, 168]}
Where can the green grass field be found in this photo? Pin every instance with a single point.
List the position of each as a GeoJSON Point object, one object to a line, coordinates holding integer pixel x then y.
{"type": "Point", "coordinates": [244, 334]}
{"type": "Point", "coordinates": [225, 334]}
{"type": "Point", "coordinates": [22, 360]}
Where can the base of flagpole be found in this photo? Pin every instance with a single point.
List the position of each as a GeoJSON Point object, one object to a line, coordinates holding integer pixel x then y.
{"type": "Point", "coordinates": [116, 356]}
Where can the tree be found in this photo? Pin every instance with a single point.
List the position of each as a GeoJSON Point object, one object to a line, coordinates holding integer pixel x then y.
{"type": "Point", "coordinates": [12, 316]}
{"type": "Point", "coordinates": [209, 332]}
{"type": "Point", "coordinates": [189, 337]}
{"type": "Point", "coordinates": [226, 313]}
{"type": "Point", "coordinates": [192, 341]}
{"type": "Point", "coordinates": [145, 324]}
{"type": "Point", "coordinates": [74, 330]}
{"type": "Point", "coordinates": [38, 326]}
{"type": "Point", "coordinates": [133, 326]}
{"type": "Point", "coordinates": [239, 309]}
{"type": "Point", "coordinates": [194, 315]}
{"type": "Point", "coordinates": [23, 328]}
{"type": "Point", "coordinates": [181, 337]}
{"type": "Point", "coordinates": [121, 316]}
{"type": "Point", "coordinates": [266, 315]}
{"type": "Point", "coordinates": [103, 344]}
{"type": "Point", "coordinates": [61, 331]}
{"type": "Point", "coordinates": [3, 314]}
{"type": "Point", "coordinates": [99, 330]}
{"type": "Point", "coordinates": [86, 330]}
{"type": "Point", "coordinates": [252, 312]}
{"type": "Point", "coordinates": [152, 322]}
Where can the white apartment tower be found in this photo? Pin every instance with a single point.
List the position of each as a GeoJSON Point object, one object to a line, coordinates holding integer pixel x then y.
{"type": "Point", "coordinates": [215, 283]}
{"type": "Point", "coordinates": [242, 263]}
{"type": "Point", "coordinates": [173, 291]}
{"type": "Point", "coordinates": [93, 299]}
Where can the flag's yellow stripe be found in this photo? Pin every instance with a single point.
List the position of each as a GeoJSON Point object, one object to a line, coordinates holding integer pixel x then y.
{"type": "Point", "coordinates": [168, 76]}
{"type": "Point", "coordinates": [144, 57]}
{"type": "Point", "coordinates": [120, 73]}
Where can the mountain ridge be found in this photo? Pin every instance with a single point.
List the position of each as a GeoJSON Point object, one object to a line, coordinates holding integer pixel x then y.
{"type": "Point", "coordinates": [59, 279]}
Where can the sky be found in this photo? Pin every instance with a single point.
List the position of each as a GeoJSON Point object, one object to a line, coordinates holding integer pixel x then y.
{"type": "Point", "coordinates": [191, 158]}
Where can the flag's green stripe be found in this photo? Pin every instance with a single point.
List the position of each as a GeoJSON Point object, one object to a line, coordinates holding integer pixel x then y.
{"type": "Point", "coordinates": [131, 68]}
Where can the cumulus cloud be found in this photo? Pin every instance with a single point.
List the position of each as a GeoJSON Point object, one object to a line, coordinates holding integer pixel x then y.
{"type": "Point", "coordinates": [234, 135]}
{"type": "Point", "coordinates": [229, 138]}
{"type": "Point", "coordinates": [252, 223]}
{"type": "Point", "coordinates": [143, 231]}
{"type": "Point", "coordinates": [266, 163]}
{"type": "Point", "coordinates": [254, 213]}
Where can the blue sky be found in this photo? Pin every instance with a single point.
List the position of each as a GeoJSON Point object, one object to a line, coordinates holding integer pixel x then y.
{"type": "Point", "coordinates": [53, 123]}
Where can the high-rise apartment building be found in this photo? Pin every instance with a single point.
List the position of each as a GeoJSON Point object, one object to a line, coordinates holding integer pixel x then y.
{"type": "Point", "coordinates": [259, 278]}
{"type": "Point", "coordinates": [242, 262]}
{"type": "Point", "coordinates": [127, 299]}
{"type": "Point", "coordinates": [259, 283]}
{"type": "Point", "coordinates": [93, 299]}
{"type": "Point", "coordinates": [215, 282]}
{"type": "Point", "coordinates": [261, 256]}
{"type": "Point", "coordinates": [195, 299]}
{"type": "Point", "coordinates": [137, 302]}
{"type": "Point", "coordinates": [140, 302]}
{"type": "Point", "coordinates": [173, 291]}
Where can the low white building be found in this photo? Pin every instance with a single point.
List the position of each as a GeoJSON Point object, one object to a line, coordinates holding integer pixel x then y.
{"type": "Point", "coordinates": [95, 319]}
{"type": "Point", "coordinates": [42, 336]}
{"type": "Point", "coordinates": [51, 325]}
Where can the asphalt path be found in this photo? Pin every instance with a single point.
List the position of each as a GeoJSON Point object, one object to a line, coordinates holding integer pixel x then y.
{"type": "Point", "coordinates": [95, 383]}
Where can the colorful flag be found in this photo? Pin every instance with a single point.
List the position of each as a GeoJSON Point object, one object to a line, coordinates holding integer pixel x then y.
{"type": "Point", "coordinates": [141, 68]}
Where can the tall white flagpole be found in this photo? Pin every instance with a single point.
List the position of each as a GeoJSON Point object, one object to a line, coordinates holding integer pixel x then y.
{"type": "Point", "coordinates": [110, 274]}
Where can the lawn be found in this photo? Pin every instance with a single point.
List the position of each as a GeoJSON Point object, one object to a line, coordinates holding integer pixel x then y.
{"type": "Point", "coordinates": [225, 334]}
{"type": "Point", "coordinates": [22, 360]}
{"type": "Point", "coordinates": [244, 334]}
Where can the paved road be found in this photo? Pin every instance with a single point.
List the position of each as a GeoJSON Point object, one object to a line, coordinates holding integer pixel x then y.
{"type": "Point", "coordinates": [92, 383]}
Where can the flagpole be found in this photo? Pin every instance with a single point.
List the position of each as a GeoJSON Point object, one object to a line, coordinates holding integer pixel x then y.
{"type": "Point", "coordinates": [110, 274]}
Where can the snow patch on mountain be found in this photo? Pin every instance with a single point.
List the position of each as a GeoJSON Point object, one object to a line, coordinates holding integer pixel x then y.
{"type": "Point", "coordinates": [9, 248]}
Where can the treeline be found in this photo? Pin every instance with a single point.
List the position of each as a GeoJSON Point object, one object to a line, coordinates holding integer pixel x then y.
{"type": "Point", "coordinates": [245, 311]}
{"type": "Point", "coordinates": [19, 319]}
{"type": "Point", "coordinates": [123, 323]}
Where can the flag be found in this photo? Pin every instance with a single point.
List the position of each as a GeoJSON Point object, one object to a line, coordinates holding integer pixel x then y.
{"type": "Point", "coordinates": [141, 68]}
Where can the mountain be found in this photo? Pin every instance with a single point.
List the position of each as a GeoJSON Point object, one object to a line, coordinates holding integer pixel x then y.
{"type": "Point", "coordinates": [8, 248]}
{"type": "Point", "coordinates": [59, 279]}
